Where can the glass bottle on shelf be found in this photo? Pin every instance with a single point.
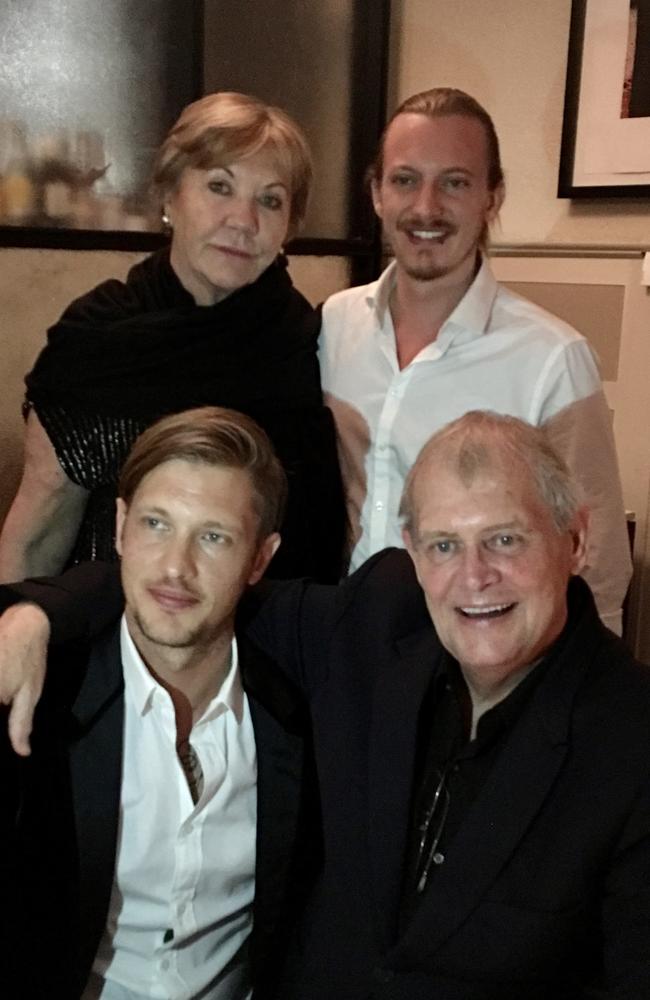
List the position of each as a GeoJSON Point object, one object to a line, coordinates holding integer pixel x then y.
{"type": "Point", "coordinates": [17, 194]}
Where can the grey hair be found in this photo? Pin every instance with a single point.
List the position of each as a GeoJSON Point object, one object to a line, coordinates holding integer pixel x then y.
{"type": "Point", "coordinates": [479, 440]}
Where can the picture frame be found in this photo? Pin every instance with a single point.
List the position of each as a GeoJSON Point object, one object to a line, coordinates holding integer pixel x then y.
{"type": "Point", "coordinates": [605, 148]}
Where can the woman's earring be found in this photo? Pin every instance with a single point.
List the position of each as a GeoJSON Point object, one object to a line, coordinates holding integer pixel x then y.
{"type": "Point", "coordinates": [166, 221]}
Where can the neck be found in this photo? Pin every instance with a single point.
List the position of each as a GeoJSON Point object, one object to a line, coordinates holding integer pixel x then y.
{"type": "Point", "coordinates": [420, 308]}
{"type": "Point", "coordinates": [203, 293]}
{"type": "Point", "coordinates": [486, 694]}
{"type": "Point", "coordinates": [193, 674]}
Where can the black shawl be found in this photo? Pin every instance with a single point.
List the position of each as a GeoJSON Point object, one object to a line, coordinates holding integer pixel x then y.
{"type": "Point", "coordinates": [127, 353]}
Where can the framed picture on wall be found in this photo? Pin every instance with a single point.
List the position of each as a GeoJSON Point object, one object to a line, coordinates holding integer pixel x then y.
{"type": "Point", "coordinates": [605, 149]}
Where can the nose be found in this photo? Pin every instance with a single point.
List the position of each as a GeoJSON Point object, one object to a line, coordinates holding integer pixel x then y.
{"type": "Point", "coordinates": [479, 570]}
{"type": "Point", "coordinates": [243, 214]}
{"type": "Point", "coordinates": [428, 202]}
{"type": "Point", "coordinates": [177, 558]}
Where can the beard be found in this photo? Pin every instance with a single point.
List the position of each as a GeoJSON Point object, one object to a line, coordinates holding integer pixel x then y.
{"type": "Point", "coordinates": [429, 262]}
{"type": "Point", "coordinates": [169, 635]}
{"type": "Point", "coordinates": [426, 271]}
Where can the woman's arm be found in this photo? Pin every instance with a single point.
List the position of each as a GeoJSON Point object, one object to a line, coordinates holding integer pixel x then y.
{"type": "Point", "coordinates": [43, 521]}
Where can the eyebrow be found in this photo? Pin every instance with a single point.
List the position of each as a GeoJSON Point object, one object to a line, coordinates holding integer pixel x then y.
{"type": "Point", "coordinates": [164, 512]}
{"type": "Point", "coordinates": [445, 170]}
{"type": "Point", "coordinates": [230, 173]}
{"type": "Point", "coordinates": [501, 526]}
{"type": "Point", "coordinates": [149, 509]}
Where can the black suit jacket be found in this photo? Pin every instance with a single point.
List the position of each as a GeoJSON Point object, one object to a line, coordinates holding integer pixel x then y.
{"type": "Point", "coordinates": [545, 891]}
{"type": "Point", "coordinates": [68, 808]}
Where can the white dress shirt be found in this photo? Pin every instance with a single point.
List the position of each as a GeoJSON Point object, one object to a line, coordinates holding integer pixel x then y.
{"type": "Point", "coordinates": [180, 912]}
{"type": "Point", "coordinates": [496, 351]}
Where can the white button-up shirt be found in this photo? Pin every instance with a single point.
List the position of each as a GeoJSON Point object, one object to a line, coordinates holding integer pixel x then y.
{"type": "Point", "coordinates": [496, 351]}
{"type": "Point", "coordinates": [180, 911]}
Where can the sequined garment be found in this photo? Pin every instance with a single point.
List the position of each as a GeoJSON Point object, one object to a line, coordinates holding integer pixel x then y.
{"type": "Point", "coordinates": [92, 450]}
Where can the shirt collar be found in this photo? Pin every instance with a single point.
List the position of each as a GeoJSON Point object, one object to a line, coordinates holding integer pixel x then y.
{"type": "Point", "coordinates": [504, 713]}
{"type": "Point", "coordinates": [142, 686]}
{"type": "Point", "coordinates": [469, 319]}
{"type": "Point", "coordinates": [471, 316]}
{"type": "Point", "coordinates": [379, 291]}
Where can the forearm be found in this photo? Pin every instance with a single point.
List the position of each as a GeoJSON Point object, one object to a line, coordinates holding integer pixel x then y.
{"type": "Point", "coordinates": [31, 546]}
{"type": "Point", "coordinates": [78, 604]}
{"type": "Point", "coordinates": [582, 434]}
{"type": "Point", "coordinates": [42, 524]}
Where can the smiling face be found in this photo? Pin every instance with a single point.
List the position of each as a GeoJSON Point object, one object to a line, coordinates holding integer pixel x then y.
{"type": "Point", "coordinates": [433, 196]}
{"type": "Point", "coordinates": [189, 543]}
{"type": "Point", "coordinates": [229, 224]}
{"type": "Point", "coordinates": [493, 567]}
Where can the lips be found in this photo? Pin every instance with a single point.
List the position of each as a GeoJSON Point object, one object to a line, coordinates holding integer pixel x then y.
{"type": "Point", "coordinates": [484, 612]}
{"type": "Point", "coordinates": [432, 231]}
{"type": "Point", "coordinates": [234, 252]}
{"type": "Point", "coordinates": [172, 599]}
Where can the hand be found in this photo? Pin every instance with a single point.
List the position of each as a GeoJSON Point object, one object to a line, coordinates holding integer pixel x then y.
{"type": "Point", "coordinates": [24, 635]}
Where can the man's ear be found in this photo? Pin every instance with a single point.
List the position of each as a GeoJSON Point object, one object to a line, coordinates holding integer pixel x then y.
{"type": "Point", "coordinates": [408, 541]}
{"type": "Point", "coordinates": [375, 191]}
{"type": "Point", "coordinates": [265, 552]}
{"type": "Point", "coordinates": [121, 510]}
{"type": "Point", "coordinates": [496, 202]}
{"type": "Point", "coordinates": [579, 532]}
{"type": "Point", "coordinates": [410, 546]}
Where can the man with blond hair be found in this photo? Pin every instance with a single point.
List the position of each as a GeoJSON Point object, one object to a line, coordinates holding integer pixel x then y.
{"type": "Point", "coordinates": [163, 747]}
{"type": "Point", "coordinates": [437, 336]}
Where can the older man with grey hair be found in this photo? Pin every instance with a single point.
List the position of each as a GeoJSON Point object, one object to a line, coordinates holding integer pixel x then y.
{"type": "Point", "coordinates": [482, 744]}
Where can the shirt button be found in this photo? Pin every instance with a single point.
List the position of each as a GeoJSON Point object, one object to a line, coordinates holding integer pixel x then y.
{"type": "Point", "coordinates": [379, 505]}
{"type": "Point", "coordinates": [438, 858]}
{"type": "Point", "coordinates": [164, 965]}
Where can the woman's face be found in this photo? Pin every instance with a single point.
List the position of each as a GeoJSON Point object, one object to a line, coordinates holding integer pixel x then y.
{"type": "Point", "coordinates": [229, 224]}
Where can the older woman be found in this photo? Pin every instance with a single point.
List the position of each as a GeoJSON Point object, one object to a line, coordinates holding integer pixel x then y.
{"type": "Point", "coordinates": [213, 319]}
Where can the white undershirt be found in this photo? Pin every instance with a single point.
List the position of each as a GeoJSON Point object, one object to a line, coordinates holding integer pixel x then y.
{"type": "Point", "coordinates": [180, 868]}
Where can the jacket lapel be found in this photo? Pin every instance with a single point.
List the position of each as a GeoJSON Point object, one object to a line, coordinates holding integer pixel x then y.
{"type": "Point", "coordinates": [499, 817]}
{"type": "Point", "coordinates": [517, 786]}
{"type": "Point", "coordinates": [280, 723]}
{"type": "Point", "coordinates": [397, 698]}
{"type": "Point", "coordinates": [95, 760]}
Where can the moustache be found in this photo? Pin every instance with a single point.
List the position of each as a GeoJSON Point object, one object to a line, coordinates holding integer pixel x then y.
{"type": "Point", "coordinates": [415, 222]}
